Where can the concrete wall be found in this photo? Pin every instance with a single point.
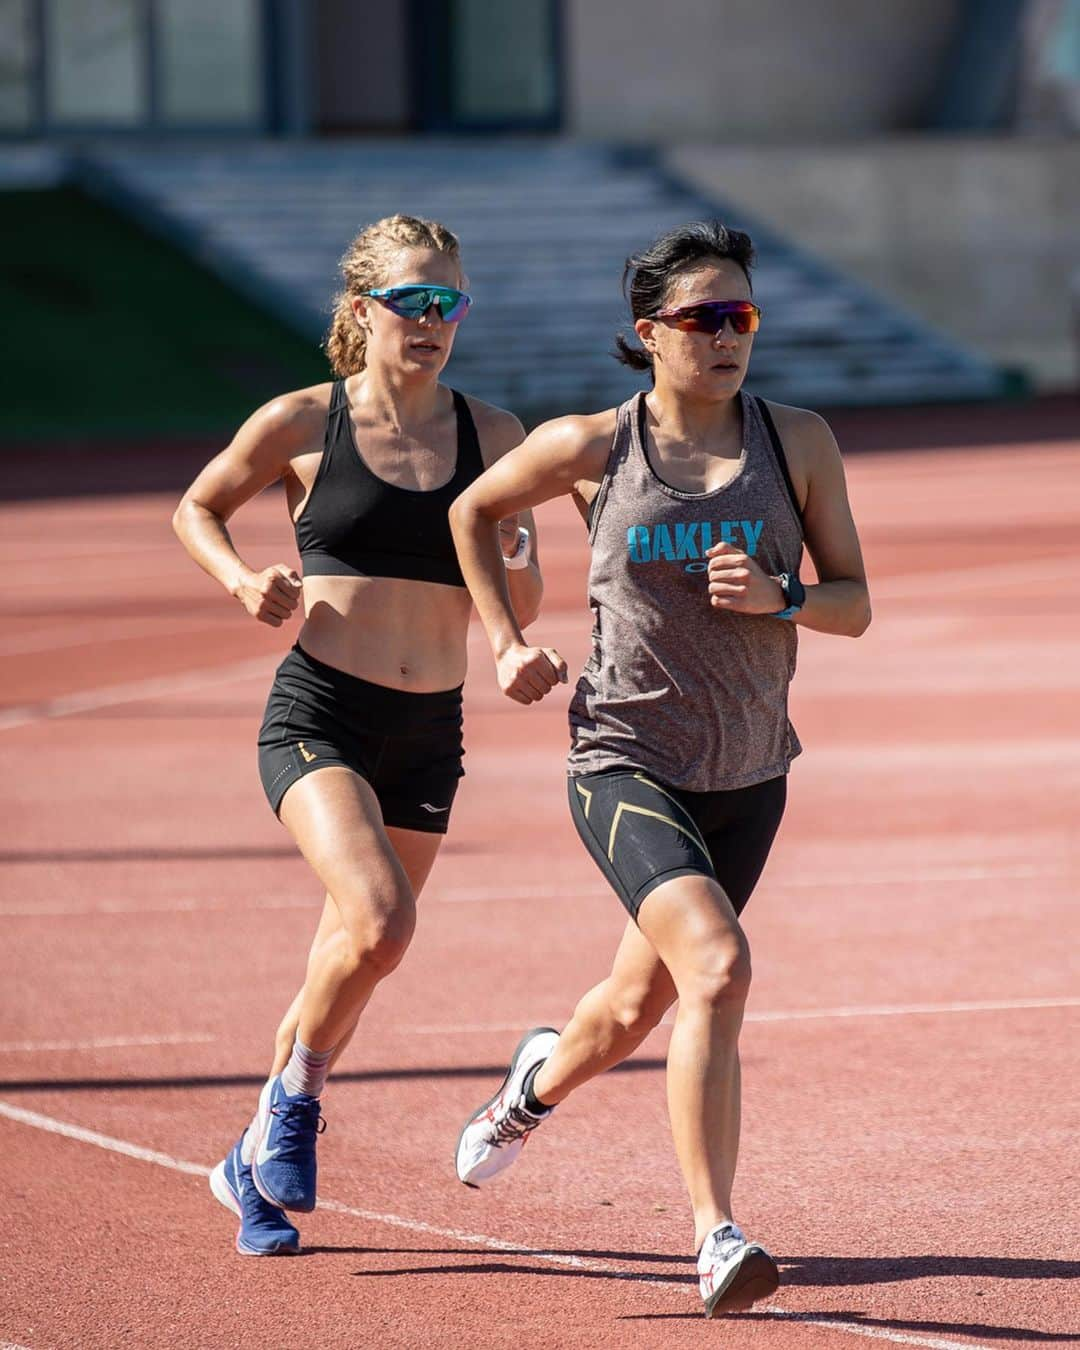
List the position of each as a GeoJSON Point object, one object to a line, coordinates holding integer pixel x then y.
{"type": "Point", "coordinates": [760, 70]}
{"type": "Point", "coordinates": [981, 237]}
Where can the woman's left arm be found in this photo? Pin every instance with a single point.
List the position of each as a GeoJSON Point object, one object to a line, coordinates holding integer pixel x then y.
{"type": "Point", "coordinates": [840, 600]}
{"type": "Point", "coordinates": [500, 432]}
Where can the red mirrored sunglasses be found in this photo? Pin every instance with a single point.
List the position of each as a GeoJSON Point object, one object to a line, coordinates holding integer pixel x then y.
{"type": "Point", "coordinates": [709, 316]}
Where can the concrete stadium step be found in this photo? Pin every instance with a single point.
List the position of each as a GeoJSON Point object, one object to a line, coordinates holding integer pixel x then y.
{"type": "Point", "coordinates": [545, 230]}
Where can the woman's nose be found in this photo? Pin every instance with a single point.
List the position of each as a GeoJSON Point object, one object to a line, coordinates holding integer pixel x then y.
{"type": "Point", "coordinates": [725, 335]}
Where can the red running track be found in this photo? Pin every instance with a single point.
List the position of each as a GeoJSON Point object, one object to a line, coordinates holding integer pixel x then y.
{"type": "Point", "coordinates": [911, 1050]}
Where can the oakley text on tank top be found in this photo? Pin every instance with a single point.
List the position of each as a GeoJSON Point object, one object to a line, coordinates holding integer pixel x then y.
{"type": "Point", "coordinates": [692, 695]}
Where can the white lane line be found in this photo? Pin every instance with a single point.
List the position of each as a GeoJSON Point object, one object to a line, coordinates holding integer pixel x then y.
{"type": "Point", "coordinates": [767, 1016]}
{"type": "Point", "coordinates": [100, 632]}
{"type": "Point", "coordinates": [912, 876]}
{"type": "Point", "coordinates": [913, 1009]}
{"type": "Point", "coordinates": [10, 1345]}
{"type": "Point", "coordinates": [462, 895]}
{"type": "Point", "coordinates": [913, 585]}
{"type": "Point", "coordinates": [916, 876]}
{"type": "Point", "coordinates": [84, 1136]}
{"type": "Point", "coordinates": [967, 757]}
{"type": "Point", "coordinates": [103, 576]}
{"type": "Point", "coordinates": [107, 1042]}
{"type": "Point", "coordinates": [895, 587]}
{"type": "Point", "coordinates": [872, 1333]}
{"type": "Point", "coordinates": [108, 908]}
{"type": "Point", "coordinates": [473, 1028]}
{"type": "Point", "coordinates": [137, 690]}
{"type": "Point", "coordinates": [136, 1151]}
{"type": "Point", "coordinates": [124, 547]}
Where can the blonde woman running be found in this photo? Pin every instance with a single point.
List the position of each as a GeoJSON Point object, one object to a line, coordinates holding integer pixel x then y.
{"type": "Point", "coordinates": [360, 749]}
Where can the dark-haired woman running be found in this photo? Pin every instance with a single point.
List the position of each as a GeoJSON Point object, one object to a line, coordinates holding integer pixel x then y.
{"type": "Point", "coordinates": [360, 749]}
{"type": "Point", "coordinates": [698, 500]}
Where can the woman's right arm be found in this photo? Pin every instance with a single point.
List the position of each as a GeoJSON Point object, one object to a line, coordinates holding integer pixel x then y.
{"type": "Point", "coordinates": [258, 455]}
{"type": "Point", "coordinates": [548, 463]}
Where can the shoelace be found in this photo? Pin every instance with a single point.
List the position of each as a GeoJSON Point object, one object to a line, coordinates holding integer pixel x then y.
{"type": "Point", "coordinates": [725, 1241]}
{"type": "Point", "coordinates": [516, 1124]}
{"type": "Point", "coordinates": [300, 1123]}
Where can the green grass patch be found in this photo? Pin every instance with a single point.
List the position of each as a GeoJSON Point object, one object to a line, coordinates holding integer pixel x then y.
{"type": "Point", "coordinates": [113, 332]}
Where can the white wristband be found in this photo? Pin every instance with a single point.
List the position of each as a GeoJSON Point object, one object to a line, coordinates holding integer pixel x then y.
{"type": "Point", "coordinates": [520, 556]}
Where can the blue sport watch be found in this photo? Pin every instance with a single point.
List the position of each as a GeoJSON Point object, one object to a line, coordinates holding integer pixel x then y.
{"type": "Point", "coordinates": [794, 594]}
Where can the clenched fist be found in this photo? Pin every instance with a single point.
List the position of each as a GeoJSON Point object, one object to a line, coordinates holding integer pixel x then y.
{"type": "Point", "coordinates": [271, 595]}
{"type": "Point", "coordinates": [526, 674]}
{"type": "Point", "coordinates": [737, 583]}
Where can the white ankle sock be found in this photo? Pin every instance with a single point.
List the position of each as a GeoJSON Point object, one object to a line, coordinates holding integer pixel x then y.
{"type": "Point", "coordinates": [306, 1070]}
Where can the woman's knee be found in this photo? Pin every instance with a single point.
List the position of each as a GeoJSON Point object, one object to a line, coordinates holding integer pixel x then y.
{"type": "Point", "coordinates": [378, 939]}
{"type": "Point", "coordinates": [720, 974]}
{"type": "Point", "coordinates": [637, 1009]}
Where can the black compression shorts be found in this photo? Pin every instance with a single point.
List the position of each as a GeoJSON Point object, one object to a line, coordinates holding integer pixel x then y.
{"type": "Point", "coordinates": [406, 746]}
{"type": "Point", "coordinates": [641, 833]}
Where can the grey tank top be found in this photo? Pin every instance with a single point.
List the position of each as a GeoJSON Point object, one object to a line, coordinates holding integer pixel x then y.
{"type": "Point", "coordinates": [694, 696]}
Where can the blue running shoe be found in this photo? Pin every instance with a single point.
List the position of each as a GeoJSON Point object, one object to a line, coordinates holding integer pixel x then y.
{"type": "Point", "coordinates": [264, 1230]}
{"type": "Point", "coordinates": [284, 1165]}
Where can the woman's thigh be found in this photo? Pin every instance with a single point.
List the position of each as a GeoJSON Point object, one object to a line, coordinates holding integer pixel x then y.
{"type": "Point", "coordinates": [691, 925]}
{"type": "Point", "coordinates": [335, 819]}
{"type": "Point", "coordinates": [638, 833]}
{"type": "Point", "coordinates": [739, 828]}
{"type": "Point", "coordinates": [416, 851]}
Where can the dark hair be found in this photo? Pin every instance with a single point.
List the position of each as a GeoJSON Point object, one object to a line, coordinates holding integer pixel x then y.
{"type": "Point", "coordinates": [648, 275]}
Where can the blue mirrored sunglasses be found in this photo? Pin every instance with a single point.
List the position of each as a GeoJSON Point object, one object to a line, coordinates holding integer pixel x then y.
{"type": "Point", "coordinates": [413, 302]}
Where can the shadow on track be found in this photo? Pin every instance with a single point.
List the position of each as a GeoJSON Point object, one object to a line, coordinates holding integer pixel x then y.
{"type": "Point", "coordinates": [857, 1319]}
{"type": "Point", "coordinates": [807, 1271]}
{"type": "Point", "coordinates": [503, 1267]}
{"type": "Point", "coordinates": [827, 1271]}
{"type": "Point", "coordinates": [819, 1271]}
{"type": "Point", "coordinates": [232, 853]}
{"type": "Point", "coordinates": [252, 1080]}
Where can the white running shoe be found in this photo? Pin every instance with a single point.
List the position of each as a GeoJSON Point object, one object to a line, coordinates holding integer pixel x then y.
{"type": "Point", "coordinates": [734, 1274]}
{"type": "Point", "coordinates": [495, 1135]}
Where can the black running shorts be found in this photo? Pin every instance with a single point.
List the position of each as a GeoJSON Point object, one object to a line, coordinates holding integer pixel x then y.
{"type": "Point", "coordinates": [641, 833]}
{"type": "Point", "coordinates": [406, 746]}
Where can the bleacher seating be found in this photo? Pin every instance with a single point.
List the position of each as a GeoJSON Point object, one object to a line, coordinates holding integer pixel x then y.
{"type": "Point", "coordinates": [545, 228]}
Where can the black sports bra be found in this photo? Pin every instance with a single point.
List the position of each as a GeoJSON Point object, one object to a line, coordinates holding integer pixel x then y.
{"type": "Point", "coordinates": [355, 524]}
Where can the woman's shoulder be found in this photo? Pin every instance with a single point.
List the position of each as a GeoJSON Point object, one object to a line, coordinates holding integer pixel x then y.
{"type": "Point", "coordinates": [500, 431]}
{"type": "Point", "coordinates": [497, 429]}
{"type": "Point", "coordinates": [809, 447]}
{"type": "Point", "coordinates": [800, 428]}
{"type": "Point", "coordinates": [580, 443]}
{"type": "Point", "coordinates": [294, 421]}
{"type": "Point", "coordinates": [806, 437]}
{"type": "Point", "coordinates": [582, 432]}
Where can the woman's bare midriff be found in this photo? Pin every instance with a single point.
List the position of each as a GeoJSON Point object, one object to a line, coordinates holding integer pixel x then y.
{"type": "Point", "coordinates": [403, 634]}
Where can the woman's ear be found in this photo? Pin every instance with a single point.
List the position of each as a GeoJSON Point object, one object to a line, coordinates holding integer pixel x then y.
{"type": "Point", "coordinates": [645, 328]}
{"type": "Point", "coordinates": [359, 305]}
